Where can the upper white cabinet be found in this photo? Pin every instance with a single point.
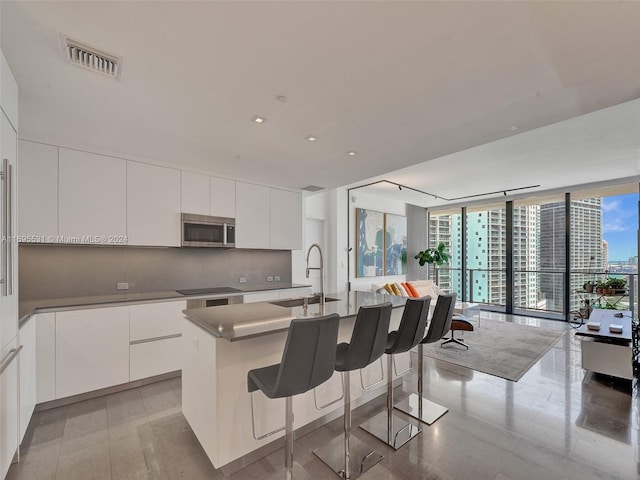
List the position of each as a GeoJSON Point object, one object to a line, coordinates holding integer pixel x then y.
{"type": "Point", "coordinates": [252, 216]}
{"type": "Point", "coordinates": [93, 198]}
{"type": "Point", "coordinates": [223, 197]}
{"type": "Point", "coordinates": [286, 220]}
{"type": "Point", "coordinates": [38, 192]}
{"type": "Point", "coordinates": [195, 193]}
{"type": "Point", "coordinates": [153, 205]}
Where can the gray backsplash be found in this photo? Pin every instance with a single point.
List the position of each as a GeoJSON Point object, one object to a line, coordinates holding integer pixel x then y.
{"type": "Point", "coordinates": [55, 271]}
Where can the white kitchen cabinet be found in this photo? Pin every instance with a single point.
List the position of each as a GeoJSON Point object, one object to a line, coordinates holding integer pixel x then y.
{"type": "Point", "coordinates": [9, 269]}
{"type": "Point", "coordinates": [27, 374]}
{"type": "Point", "coordinates": [252, 216]}
{"type": "Point", "coordinates": [92, 198]}
{"type": "Point", "coordinates": [8, 406]}
{"type": "Point", "coordinates": [92, 350]}
{"type": "Point", "coordinates": [153, 205]}
{"type": "Point", "coordinates": [38, 192]}
{"type": "Point", "coordinates": [262, 296]}
{"type": "Point", "coordinates": [286, 220]}
{"type": "Point", "coordinates": [8, 92]}
{"type": "Point", "coordinates": [155, 358]}
{"type": "Point", "coordinates": [153, 320]}
{"type": "Point", "coordinates": [45, 356]}
{"type": "Point", "coordinates": [223, 197]}
{"type": "Point", "coordinates": [154, 334]}
{"type": "Point", "coordinates": [195, 193]}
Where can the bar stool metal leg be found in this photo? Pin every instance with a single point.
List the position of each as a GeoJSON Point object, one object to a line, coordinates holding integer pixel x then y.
{"type": "Point", "coordinates": [416, 405]}
{"type": "Point", "coordinates": [354, 458]}
{"type": "Point", "coordinates": [387, 426]}
{"type": "Point", "coordinates": [288, 439]}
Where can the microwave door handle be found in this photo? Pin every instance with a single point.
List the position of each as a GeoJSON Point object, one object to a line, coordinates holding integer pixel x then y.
{"type": "Point", "coordinates": [224, 233]}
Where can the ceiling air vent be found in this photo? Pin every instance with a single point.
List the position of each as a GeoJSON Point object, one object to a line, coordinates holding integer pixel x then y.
{"type": "Point", "coordinates": [90, 58]}
{"type": "Point", "coordinates": [312, 188]}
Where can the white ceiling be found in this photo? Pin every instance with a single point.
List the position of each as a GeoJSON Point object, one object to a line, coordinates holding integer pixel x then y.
{"type": "Point", "coordinates": [401, 83]}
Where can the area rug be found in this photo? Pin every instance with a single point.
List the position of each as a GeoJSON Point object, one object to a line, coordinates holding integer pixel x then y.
{"type": "Point", "coordinates": [506, 350]}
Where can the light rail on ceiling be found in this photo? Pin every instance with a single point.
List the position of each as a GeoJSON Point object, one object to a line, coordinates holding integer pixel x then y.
{"type": "Point", "coordinates": [440, 197]}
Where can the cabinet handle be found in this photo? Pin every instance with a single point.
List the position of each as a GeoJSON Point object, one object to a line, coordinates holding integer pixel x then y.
{"type": "Point", "coordinates": [5, 230]}
{"type": "Point", "coordinates": [13, 353]}
{"type": "Point", "coordinates": [9, 230]}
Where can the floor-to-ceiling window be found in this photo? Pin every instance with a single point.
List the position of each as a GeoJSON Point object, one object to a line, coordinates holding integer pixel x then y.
{"type": "Point", "coordinates": [550, 266]}
{"type": "Point", "coordinates": [538, 254]}
{"type": "Point", "coordinates": [486, 254]}
{"type": "Point", "coordinates": [604, 226]}
{"type": "Point", "coordinates": [445, 226]}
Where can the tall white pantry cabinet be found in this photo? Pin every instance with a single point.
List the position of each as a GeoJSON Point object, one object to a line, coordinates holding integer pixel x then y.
{"type": "Point", "coordinates": [11, 341]}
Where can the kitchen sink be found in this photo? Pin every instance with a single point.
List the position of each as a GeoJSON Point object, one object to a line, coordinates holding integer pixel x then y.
{"type": "Point", "coordinates": [298, 302]}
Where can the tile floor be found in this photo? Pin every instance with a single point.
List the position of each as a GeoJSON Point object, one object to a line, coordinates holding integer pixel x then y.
{"type": "Point", "coordinates": [554, 423]}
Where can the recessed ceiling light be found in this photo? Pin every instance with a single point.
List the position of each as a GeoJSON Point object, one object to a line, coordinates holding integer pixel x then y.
{"type": "Point", "coordinates": [351, 153]}
{"type": "Point", "coordinates": [514, 128]}
{"type": "Point", "coordinates": [311, 138]}
{"type": "Point", "coordinates": [281, 98]}
{"type": "Point", "coordinates": [259, 119]}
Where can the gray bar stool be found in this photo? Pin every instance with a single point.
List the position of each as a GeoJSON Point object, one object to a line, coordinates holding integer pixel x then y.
{"type": "Point", "coordinates": [367, 344]}
{"type": "Point", "coordinates": [387, 426]}
{"type": "Point", "coordinates": [307, 361]}
{"type": "Point", "coordinates": [416, 405]}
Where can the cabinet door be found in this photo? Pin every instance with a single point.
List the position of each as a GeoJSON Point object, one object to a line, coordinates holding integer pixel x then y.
{"type": "Point", "coordinates": [155, 320]}
{"type": "Point", "coordinates": [93, 201]}
{"type": "Point", "coordinates": [92, 350]}
{"type": "Point", "coordinates": [8, 92]}
{"type": "Point", "coordinates": [9, 270]}
{"type": "Point", "coordinates": [223, 197]}
{"type": "Point", "coordinates": [27, 374]}
{"type": "Point", "coordinates": [155, 358]}
{"type": "Point", "coordinates": [286, 220]}
{"type": "Point", "coordinates": [8, 407]}
{"type": "Point", "coordinates": [153, 205]}
{"type": "Point", "coordinates": [38, 192]}
{"type": "Point", "coordinates": [45, 357]}
{"type": "Point", "coordinates": [195, 193]}
{"type": "Point", "coordinates": [252, 216]}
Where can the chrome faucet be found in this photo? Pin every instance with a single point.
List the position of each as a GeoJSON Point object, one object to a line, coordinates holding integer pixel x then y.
{"type": "Point", "coordinates": [321, 268]}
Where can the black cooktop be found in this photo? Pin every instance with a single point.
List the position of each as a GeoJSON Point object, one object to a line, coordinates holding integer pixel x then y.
{"type": "Point", "coordinates": [204, 291]}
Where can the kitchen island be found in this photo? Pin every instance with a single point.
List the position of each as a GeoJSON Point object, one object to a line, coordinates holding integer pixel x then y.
{"type": "Point", "coordinates": [221, 344]}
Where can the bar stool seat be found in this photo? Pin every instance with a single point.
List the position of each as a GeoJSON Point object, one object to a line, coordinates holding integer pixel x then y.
{"type": "Point", "coordinates": [348, 457]}
{"type": "Point", "coordinates": [387, 426]}
{"type": "Point", "coordinates": [416, 405]}
{"type": "Point", "coordinates": [307, 361]}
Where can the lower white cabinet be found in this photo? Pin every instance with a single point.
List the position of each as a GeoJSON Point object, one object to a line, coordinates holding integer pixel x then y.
{"type": "Point", "coordinates": [155, 357]}
{"type": "Point", "coordinates": [27, 375]}
{"type": "Point", "coordinates": [92, 349]}
{"type": "Point", "coordinates": [45, 356]}
{"type": "Point", "coordinates": [154, 336]}
{"type": "Point", "coordinates": [8, 406]}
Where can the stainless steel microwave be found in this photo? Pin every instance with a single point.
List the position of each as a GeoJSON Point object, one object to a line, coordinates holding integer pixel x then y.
{"type": "Point", "coordinates": [207, 231]}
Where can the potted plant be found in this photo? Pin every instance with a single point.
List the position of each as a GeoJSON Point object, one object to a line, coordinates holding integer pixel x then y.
{"type": "Point", "coordinates": [432, 256]}
{"type": "Point", "coordinates": [588, 286]}
{"type": "Point", "coordinates": [611, 286]}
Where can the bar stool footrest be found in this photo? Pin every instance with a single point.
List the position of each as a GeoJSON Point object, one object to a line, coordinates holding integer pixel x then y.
{"type": "Point", "coordinates": [431, 411]}
{"type": "Point", "coordinates": [363, 457]}
{"type": "Point", "coordinates": [401, 430]}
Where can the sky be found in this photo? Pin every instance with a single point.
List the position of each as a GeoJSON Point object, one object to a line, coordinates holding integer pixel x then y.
{"type": "Point", "coordinates": [620, 225]}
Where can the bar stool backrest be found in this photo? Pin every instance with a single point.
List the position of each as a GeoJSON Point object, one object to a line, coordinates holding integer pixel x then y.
{"type": "Point", "coordinates": [412, 326]}
{"type": "Point", "coordinates": [309, 356]}
{"type": "Point", "coordinates": [441, 320]}
{"type": "Point", "coordinates": [368, 340]}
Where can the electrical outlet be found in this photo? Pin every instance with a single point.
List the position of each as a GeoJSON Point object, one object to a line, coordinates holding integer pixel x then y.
{"type": "Point", "coordinates": [270, 278]}
{"type": "Point", "coordinates": [122, 286]}
{"type": "Point", "coordinates": [276, 278]}
{"type": "Point", "coordinates": [243, 280]}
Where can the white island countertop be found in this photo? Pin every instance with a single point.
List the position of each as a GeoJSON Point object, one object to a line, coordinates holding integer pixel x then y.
{"type": "Point", "coordinates": [246, 320]}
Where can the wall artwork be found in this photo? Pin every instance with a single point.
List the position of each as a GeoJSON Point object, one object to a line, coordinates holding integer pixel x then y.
{"type": "Point", "coordinates": [381, 244]}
